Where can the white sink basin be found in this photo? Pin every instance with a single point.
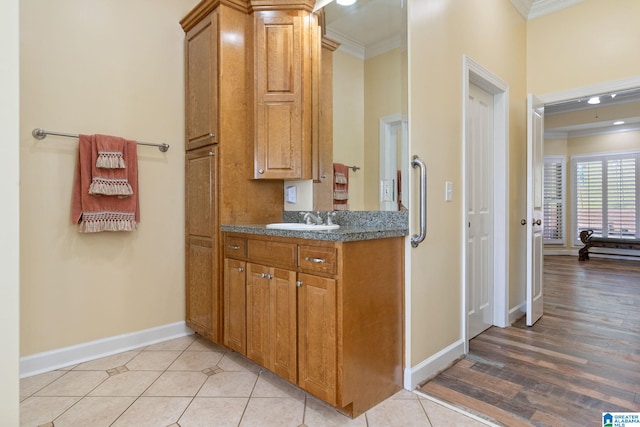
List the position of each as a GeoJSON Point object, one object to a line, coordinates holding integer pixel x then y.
{"type": "Point", "coordinates": [301, 227]}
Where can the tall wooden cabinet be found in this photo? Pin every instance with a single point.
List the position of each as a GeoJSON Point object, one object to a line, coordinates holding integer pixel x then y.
{"type": "Point", "coordinates": [218, 167]}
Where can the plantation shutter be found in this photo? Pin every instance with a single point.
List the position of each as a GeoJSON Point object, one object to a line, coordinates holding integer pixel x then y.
{"type": "Point", "coordinates": [589, 196]}
{"type": "Point", "coordinates": [553, 224]}
{"type": "Point", "coordinates": [621, 198]}
{"type": "Point", "coordinates": [606, 195]}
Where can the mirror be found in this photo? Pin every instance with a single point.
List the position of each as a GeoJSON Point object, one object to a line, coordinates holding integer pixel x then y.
{"type": "Point", "coordinates": [370, 100]}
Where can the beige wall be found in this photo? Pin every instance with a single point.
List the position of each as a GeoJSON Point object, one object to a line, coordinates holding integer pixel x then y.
{"type": "Point", "coordinates": [100, 67]}
{"type": "Point", "coordinates": [439, 34]}
{"type": "Point", "coordinates": [348, 121]}
{"type": "Point", "coordinates": [9, 214]}
{"type": "Point", "coordinates": [383, 97]}
{"type": "Point", "coordinates": [363, 92]}
{"type": "Point", "coordinates": [592, 42]}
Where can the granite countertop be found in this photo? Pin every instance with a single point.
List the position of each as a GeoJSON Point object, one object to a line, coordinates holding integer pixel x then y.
{"type": "Point", "coordinates": [342, 234]}
{"type": "Point", "coordinates": [354, 226]}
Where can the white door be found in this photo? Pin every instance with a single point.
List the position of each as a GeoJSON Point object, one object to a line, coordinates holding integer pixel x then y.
{"type": "Point", "coordinates": [535, 173]}
{"type": "Point", "coordinates": [479, 194]}
{"type": "Point", "coordinates": [394, 162]}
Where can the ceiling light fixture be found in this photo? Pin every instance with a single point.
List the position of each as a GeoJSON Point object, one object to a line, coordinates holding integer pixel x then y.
{"type": "Point", "coordinates": [346, 2]}
{"type": "Point", "coordinates": [619, 122]}
{"type": "Point", "coordinates": [594, 100]}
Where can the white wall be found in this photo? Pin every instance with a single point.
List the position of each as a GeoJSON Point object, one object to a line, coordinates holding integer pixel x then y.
{"type": "Point", "coordinates": [9, 214]}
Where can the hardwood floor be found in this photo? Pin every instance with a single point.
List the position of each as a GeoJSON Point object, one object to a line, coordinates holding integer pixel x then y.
{"type": "Point", "coordinates": [580, 359]}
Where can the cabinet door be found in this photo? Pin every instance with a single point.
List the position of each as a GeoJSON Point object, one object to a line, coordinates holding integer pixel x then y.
{"type": "Point", "coordinates": [200, 294]}
{"type": "Point", "coordinates": [317, 344]}
{"type": "Point", "coordinates": [201, 63]}
{"type": "Point", "coordinates": [258, 305]}
{"type": "Point", "coordinates": [202, 289]}
{"type": "Point", "coordinates": [282, 95]}
{"type": "Point", "coordinates": [282, 284]}
{"type": "Point", "coordinates": [235, 305]}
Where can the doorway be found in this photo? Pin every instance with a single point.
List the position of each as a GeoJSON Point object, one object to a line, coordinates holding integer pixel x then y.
{"type": "Point", "coordinates": [492, 260]}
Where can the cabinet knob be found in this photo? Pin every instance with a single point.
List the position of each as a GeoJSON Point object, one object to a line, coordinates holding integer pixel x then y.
{"type": "Point", "coordinates": [260, 171]}
{"type": "Point", "coordinates": [211, 153]}
{"type": "Point", "coordinates": [299, 283]}
{"type": "Point", "coordinates": [240, 269]}
{"type": "Point", "coordinates": [211, 135]}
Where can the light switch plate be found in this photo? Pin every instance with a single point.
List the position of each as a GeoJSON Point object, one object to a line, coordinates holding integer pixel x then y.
{"type": "Point", "coordinates": [448, 191]}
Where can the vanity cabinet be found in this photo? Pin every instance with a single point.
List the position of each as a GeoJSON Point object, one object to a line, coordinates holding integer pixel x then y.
{"type": "Point", "coordinates": [324, 315]}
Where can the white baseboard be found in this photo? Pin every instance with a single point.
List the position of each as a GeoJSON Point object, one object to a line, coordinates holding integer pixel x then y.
{"type": "Point", "coordinates": [571, 252]}
{"type": "Point", "coordinates": [517, 312]}
{"type": "Point", "coordinates": [67, 356]}
{"type": "Point", "coordinates": [432, 366]}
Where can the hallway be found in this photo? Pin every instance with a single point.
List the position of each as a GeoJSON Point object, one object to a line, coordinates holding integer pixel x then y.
{"type": "Point", "coordinates": [579, 360]}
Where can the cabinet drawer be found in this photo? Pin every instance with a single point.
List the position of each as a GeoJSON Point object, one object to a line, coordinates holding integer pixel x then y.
{"type": "Point", "coordinates": [317, 259]}
{"type": "Point", "coordinates": [279, 254]}
{"type": "Point", "coordinates": [235, 247]}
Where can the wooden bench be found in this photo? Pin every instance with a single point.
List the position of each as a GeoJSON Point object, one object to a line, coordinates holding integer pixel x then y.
{"type": "Point", "coordinates": [586, 236]}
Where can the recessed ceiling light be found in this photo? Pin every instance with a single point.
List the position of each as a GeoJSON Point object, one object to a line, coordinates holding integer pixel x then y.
{"type": "Point", "coordinates": [346, 2]}
{"type": "Point", "coordinates": [619, 122]}
{"type": "Point", "coordinates": [594, 100]}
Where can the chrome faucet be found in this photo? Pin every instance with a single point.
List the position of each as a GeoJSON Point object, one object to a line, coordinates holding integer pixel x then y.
{"type": "Point", "coordinates": [331, 217]}
{"type": "Point", "coordinates": [310, 218]}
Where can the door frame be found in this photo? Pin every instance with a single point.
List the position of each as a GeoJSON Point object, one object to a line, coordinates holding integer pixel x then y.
{"type": "Point", "coordinates": [389, 154]}
{"type": "Point", "coordinates": [473, 72]}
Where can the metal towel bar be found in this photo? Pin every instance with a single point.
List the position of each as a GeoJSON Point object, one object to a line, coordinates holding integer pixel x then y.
{"type": "Point", "coordinates": [39, 133]}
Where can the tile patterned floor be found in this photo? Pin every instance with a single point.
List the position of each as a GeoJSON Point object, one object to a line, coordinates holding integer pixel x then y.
{"type": "Point", "coordinates": [190, 382]}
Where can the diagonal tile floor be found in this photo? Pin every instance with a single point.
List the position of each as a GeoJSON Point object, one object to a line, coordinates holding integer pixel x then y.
{"type": "Point", "coordinates": [189, 382]}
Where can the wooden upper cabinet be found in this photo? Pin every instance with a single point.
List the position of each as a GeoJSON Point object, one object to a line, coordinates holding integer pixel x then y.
{"type": "Point", "coordinates": [284, 55]}
{"type": "Point", "coordinates": [202, 83]}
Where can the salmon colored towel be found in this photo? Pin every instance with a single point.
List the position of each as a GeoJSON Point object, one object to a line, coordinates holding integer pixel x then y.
{"type": "Point", "coordinates": [340, 187]}
{"type": "Point", "coordinates": [110, 177]}
{"type": "Point", "coordinates": [101, 212]}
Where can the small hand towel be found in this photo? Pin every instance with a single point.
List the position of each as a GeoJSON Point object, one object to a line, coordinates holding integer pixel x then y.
{"type": "Point", "coordinates": [110, 152]}
{"type": "Point", "coordinates": [111, 181]}
{"type": "Point", "coordinates": [340, 187]}
{"type": "Point", "coordinates": [97, 212]}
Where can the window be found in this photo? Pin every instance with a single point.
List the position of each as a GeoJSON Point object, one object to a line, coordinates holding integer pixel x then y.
{"type": "Point", "coordinates": [606, 195]}
{"type": "Point", "coordinates": [554, 189]}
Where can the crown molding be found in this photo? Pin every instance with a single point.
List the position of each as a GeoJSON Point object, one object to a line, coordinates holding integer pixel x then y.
{"type": "Point", "coordinates": [531, 9]}
{"type": "Point", "coordinates": [604, 130]}
{"type": "Point", "coordinates": [347, 44]}
{"type": "Point", "coordinates": [523, 6]}
{"type": "Point", "coordinates": [544, 7]}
